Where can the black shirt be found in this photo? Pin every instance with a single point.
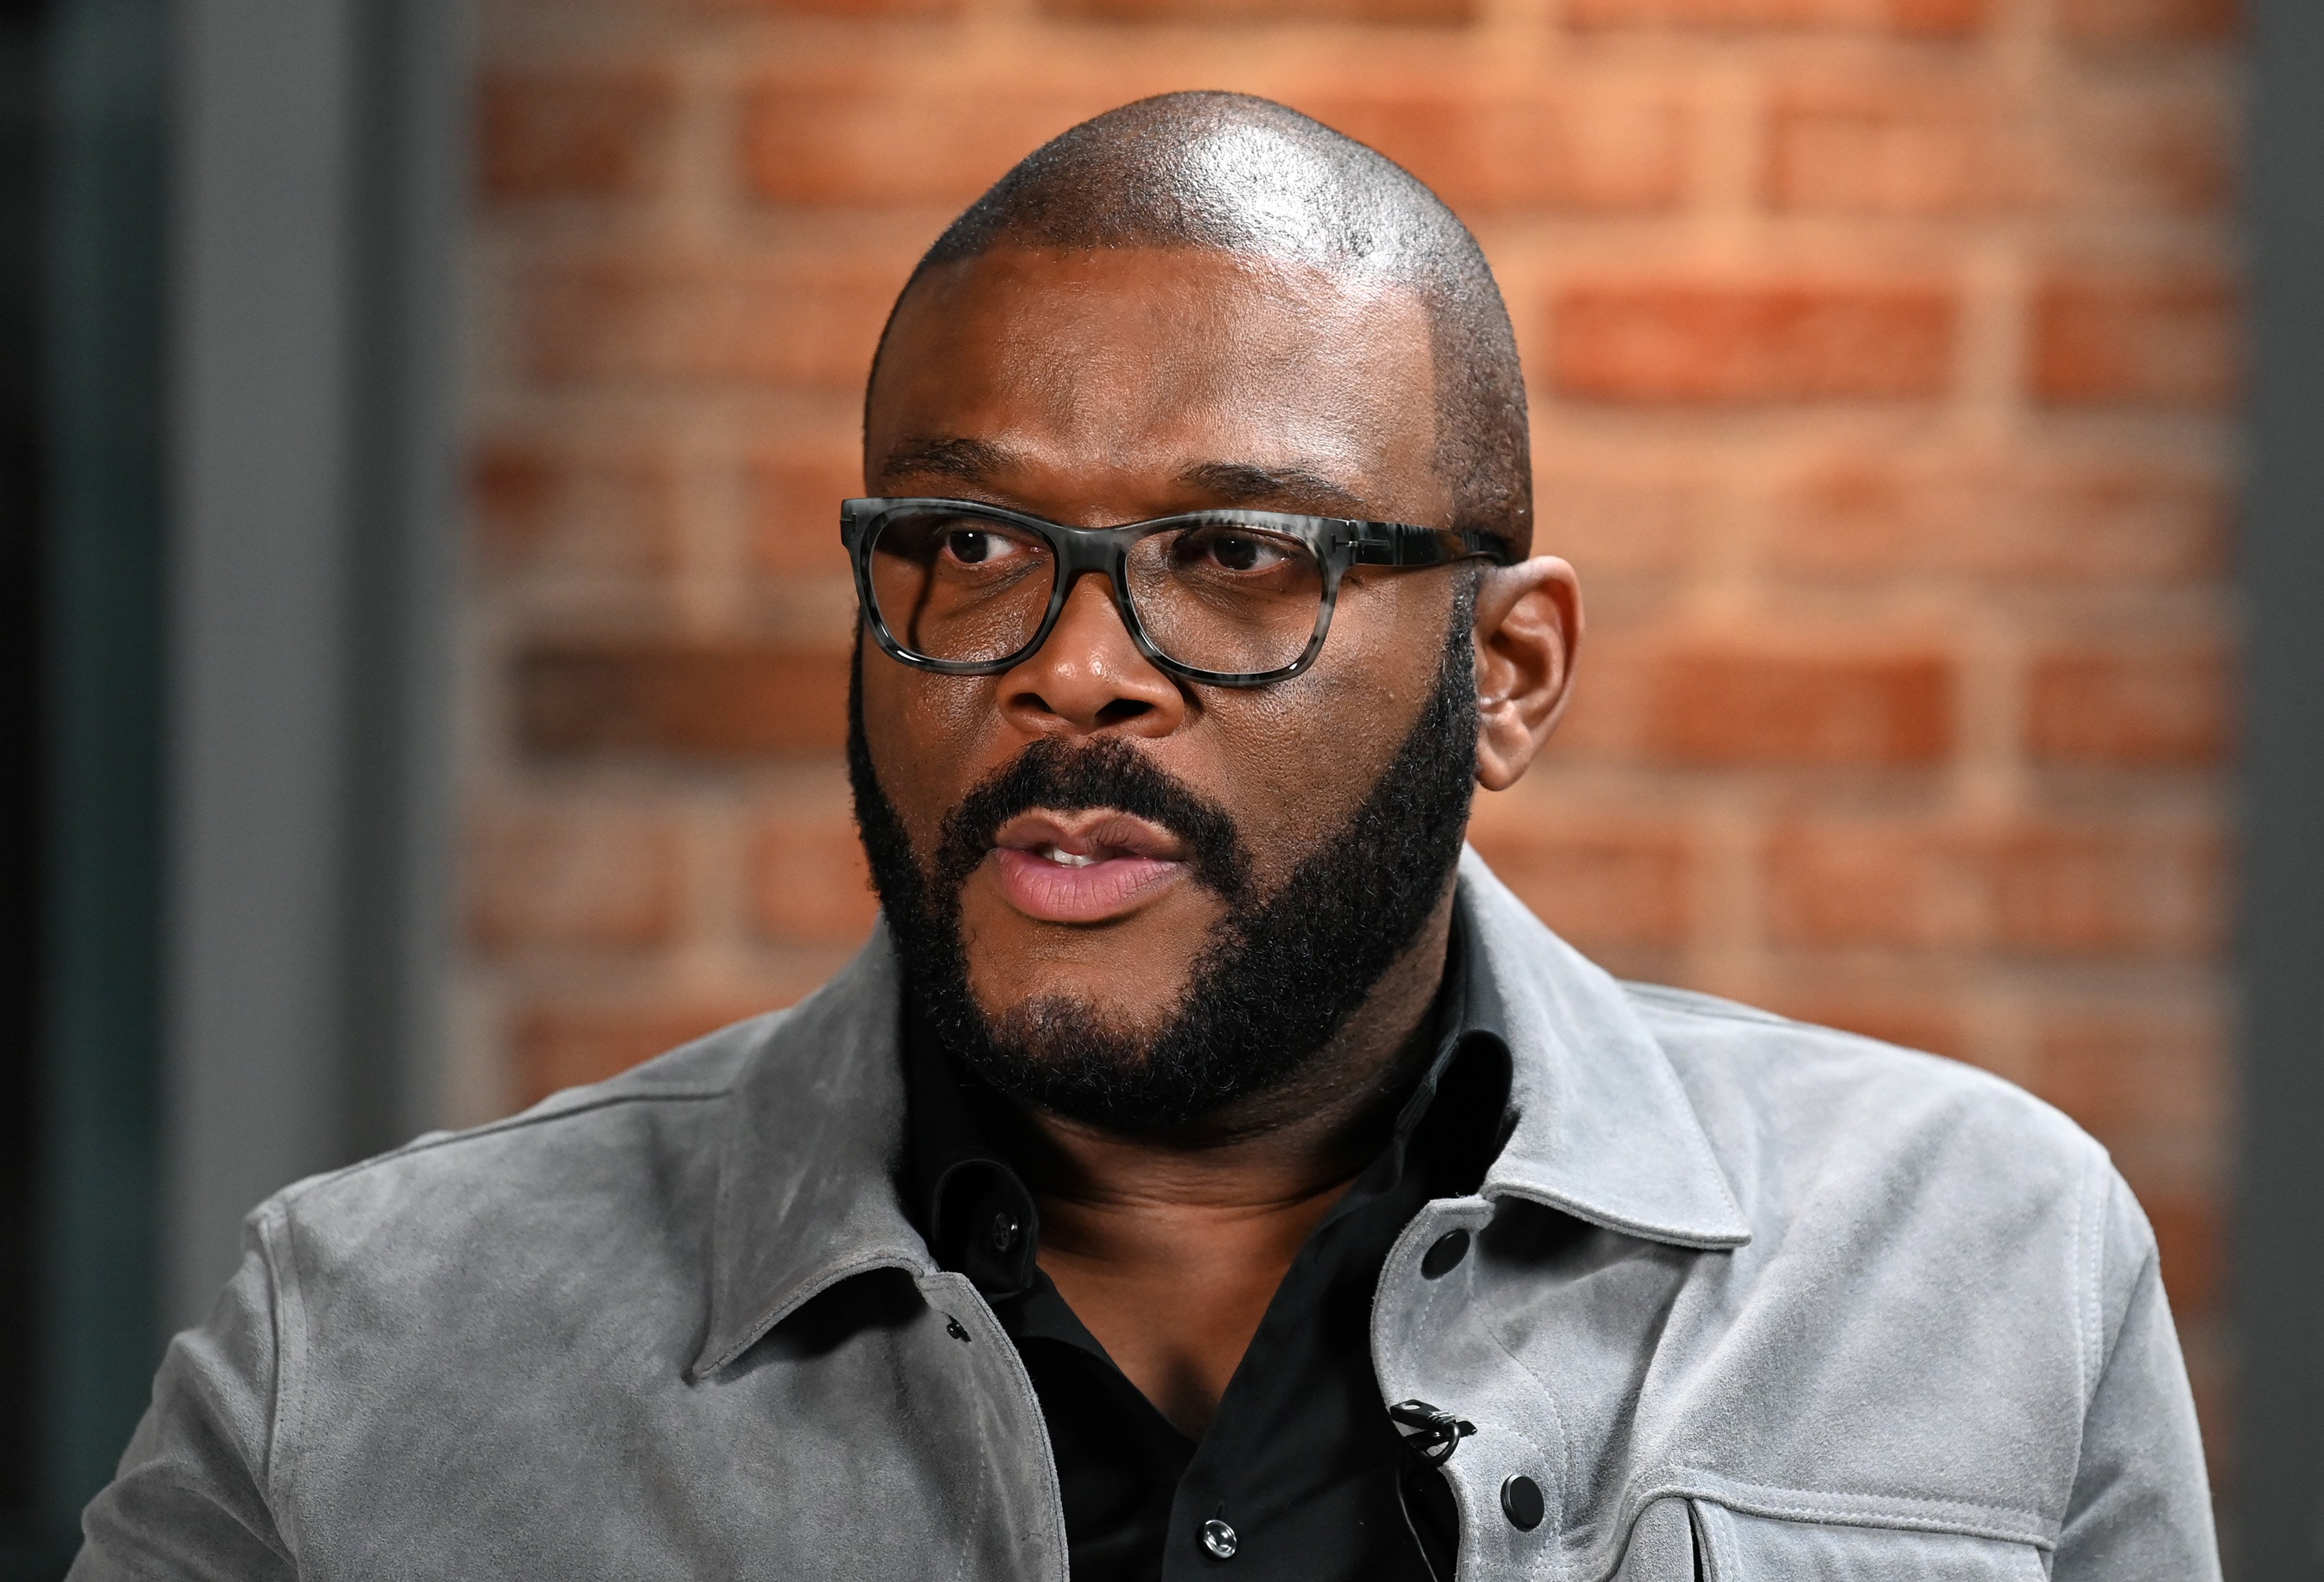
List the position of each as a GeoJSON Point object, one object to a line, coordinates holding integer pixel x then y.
{"type": "Point", "coordinates": [1300, 1465]}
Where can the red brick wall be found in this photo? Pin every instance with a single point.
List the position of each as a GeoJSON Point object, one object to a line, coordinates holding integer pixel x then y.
{"type": "Point", "coordinates": [1883, 360]}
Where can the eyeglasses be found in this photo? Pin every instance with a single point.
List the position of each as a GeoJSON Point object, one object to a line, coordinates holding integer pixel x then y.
{"type": "Point", "coordinates": [1235, 598]}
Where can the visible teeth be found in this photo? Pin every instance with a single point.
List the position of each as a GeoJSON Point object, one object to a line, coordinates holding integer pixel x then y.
{"type": "Point", "coordinates": [1066, 858]}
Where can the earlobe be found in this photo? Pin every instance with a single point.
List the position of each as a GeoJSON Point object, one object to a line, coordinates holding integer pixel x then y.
{"type": "Point", "coordinates": [1528, 628]}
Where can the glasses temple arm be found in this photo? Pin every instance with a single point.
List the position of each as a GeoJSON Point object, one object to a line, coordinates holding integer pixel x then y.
{"type": "Point", "coordinates": [1403, 544]}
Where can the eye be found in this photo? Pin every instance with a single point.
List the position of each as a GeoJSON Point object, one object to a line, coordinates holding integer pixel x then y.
{"type": "Point", "coordinates": [974, 547]}
{"type": "Point", "coordinates": [1240, 552]}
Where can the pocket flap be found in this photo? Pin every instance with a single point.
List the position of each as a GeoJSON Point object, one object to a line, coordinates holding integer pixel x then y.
{"type": "Point", "coordinates": [1733, 1547]}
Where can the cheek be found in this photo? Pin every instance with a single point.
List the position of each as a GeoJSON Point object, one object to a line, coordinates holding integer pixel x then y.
{"type": "Point", "coordinates": [924, 733]}
{"type": "Point", "coordinates": [1302, 755]}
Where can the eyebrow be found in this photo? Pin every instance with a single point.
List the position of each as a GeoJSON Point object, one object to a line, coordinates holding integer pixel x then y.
{"type": "Point", "coordinates": [970, 461]}
{"type": "Point", "coordinates": [1245, 483]}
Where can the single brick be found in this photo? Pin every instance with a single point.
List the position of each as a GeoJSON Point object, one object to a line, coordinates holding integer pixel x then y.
{"type": "Point", "coordinates": [2094, 890]}
{"type": "Point", "coordinates": [1739, 342]}
{"type": "Point", "coordinates": [550, 506]}
{"type": "Point", "coordinates": [600, 879]}
{"type": "Point", "coordinates": [791, 499]}
{"type": "Point", "coordinates": [1867, 882]}
{"type": "Point", "coordinates": [1421, 12]}
{"type": "Point", "coordinates": [680, 698]}
{"type": "Point", "coordinates": [2146, 704]}
{"type": "Point", "coordinates": [1620, 885]}
{"type": "Point", "coordinates": [810, 884]}
{"type": "Point", "coordinates": [565, 1045]}
{"type": "Point", "coordinates": [2121, 1073]}
{"type": "Point", "coordinates": [1738, 705]}
{"type": "Point", "coordinates": [812, 323]}
{"type": "Point", "coordinates": [2139, 151]}
{"type": "Point", "coordinates": [2114, 338]}
{"type": "Point", "coordinates": [856, 145]}
{"type": "Point", "coordinates": [1911, 18]}
{"type": "Point", "coordinates": [2143, 21]}
{"type": "Point", "coordinates": [1489, 153]}
{"type": "Point", "coordinates": [2045, 889]}
{"type": "Point", "coordinates": [1958, 146]}
{"type": "Point", "coordinates": [586, 131]}
{"type": "Point", "coordinates": [2042, 519]}
{"type": "Point", "coordinates": [1890, 148]}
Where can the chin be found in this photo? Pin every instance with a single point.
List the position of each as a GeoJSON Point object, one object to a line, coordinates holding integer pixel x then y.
{"type": "Point", "coordinates": [1061, 1023]}
{"type": "Point", "coordinates": [1114, 978]}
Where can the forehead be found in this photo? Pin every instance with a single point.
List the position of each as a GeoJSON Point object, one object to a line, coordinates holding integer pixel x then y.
{"type": "Point", "coordinates": [1144, 359]}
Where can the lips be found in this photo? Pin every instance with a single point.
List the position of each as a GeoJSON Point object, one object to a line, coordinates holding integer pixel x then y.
{"type": "Point", "coordinates": [1089, 867]}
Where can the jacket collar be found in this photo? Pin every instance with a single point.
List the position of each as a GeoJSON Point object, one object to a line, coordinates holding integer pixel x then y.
{"type": "Point", "coordinates": [807, 1190]}
{"type": "Point", "coordinates": [1604, 1130]}
{"type": "Point", "coordinates": [812, 1146]}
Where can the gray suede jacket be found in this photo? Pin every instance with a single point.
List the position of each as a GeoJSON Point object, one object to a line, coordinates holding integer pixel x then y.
{"type": "Point", "coordinates": [1843, 1312]}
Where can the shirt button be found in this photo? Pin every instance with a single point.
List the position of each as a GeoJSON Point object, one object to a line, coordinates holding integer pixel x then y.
{"type": "Point", "coordinates": [1522, 1504]}
{"type": "Point", "coordinates": [1448, 1249]}
{"type": "Point", "coordinates": [1005, 1230]}
{"type": "Point", "coordinates": [1218, 1539]}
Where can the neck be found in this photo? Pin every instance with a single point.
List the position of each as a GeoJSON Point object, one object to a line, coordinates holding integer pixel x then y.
{"type": "Point", "coordinates": [1170, 1248]}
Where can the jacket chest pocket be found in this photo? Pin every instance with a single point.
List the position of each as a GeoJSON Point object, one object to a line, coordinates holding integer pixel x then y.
{"type": "Point", "coordinates": [1696, 1540]}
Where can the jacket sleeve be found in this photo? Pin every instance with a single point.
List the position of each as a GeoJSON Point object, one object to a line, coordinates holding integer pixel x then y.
{"type": "Point", "coordinates": [190, 1498]}
{"type": "Point", "coordinates": [2142, 1501]}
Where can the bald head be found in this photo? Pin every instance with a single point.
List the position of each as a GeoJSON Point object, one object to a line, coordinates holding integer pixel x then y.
{"type": "Point", "coordinates": [1234, 174]}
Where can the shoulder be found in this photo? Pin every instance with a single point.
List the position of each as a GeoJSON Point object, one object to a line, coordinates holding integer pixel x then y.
{"type": "Point", "coordinates": [1798, 1111]}
{"type": "Point", "coordinates": [589, 1161]}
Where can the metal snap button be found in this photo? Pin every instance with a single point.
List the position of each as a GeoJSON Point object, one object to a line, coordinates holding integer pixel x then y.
{"type": "Point", "coordinates": [1218, 1539]}
{"type": "Point", "coordinates": [953, 1328]}
{"type": "Point", "coordinates": [1005, 1230]}
{"type": "Point", "coordinates": [1522, 1504]}
{"type": "Point", "coordinates": [1447, 1250]}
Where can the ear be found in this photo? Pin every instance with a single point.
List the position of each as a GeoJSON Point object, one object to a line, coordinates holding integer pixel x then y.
{"type": "Point", "coordinates": [1528, 628]}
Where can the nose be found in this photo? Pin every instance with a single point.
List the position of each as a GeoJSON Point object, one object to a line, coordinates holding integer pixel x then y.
{"type": "Point", "coordinates": [1089, 676]}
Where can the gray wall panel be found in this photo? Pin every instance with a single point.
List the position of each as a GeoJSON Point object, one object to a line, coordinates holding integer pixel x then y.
{"type": "Point", "coordinates": [319, 193]}
{"type": "Point", "coordinates": [2279, 1461]}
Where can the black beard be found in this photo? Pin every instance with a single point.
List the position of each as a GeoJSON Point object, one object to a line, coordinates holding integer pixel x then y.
{"type": "Point", "coordinates": [1278, 976]}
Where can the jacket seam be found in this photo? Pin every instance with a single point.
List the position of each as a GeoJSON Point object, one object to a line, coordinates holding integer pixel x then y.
{"type": "Point", "coordinates": [2022, 1525]}
{"type": "Point", "coordinates": [1835, 1508]}
{"type": "Point", "coordinates": [429, 1144]}
{"type": "Point", "coordinates": [1563, 1459]}
{"type": "Point", "coordinates": [2089, 1272]}
{"type": "Point", "coordinates": [286, 1407]}
{"type": "Point", "coordinates": [1682, 1002]}
{"type": "Point", "coordinates": [1028, 1399]}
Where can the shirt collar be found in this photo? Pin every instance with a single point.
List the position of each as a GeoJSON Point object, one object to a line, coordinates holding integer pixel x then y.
{"type": "Point", "coordinates": [968, 1201]}
{"type": "Point", "coordinates": [975, 1211]}
{"type": "Point", "coordinates": [816, 1132]}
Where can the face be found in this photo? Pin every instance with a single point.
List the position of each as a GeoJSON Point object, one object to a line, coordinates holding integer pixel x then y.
{"type": "Point", "coordinates": [1097, 836]}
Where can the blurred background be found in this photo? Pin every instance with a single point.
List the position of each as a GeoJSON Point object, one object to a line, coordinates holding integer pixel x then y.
{"type": "Point", "coordinates": [421, 423]}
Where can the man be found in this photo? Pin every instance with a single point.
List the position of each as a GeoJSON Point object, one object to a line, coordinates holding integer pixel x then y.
{"type": "Point", "coordinates": [1207, 1167]}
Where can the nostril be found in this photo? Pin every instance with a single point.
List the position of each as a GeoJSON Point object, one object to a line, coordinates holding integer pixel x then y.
{"type": "Point", "coordinates": [1122, 709]}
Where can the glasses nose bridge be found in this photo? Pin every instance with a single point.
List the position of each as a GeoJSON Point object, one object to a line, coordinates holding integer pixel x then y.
{"type": "Point", "coordinates": [1083, 552]}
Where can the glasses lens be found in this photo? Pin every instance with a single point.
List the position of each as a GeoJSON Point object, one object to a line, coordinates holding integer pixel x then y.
{"type": "Point", "coordinates": [960, 588]}
{"type": "Point", "coordinates": [1227, 597]}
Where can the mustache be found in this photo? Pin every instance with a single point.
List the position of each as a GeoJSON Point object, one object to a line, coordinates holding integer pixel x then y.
{"type": "Point", "coordinates": [1108, 773]}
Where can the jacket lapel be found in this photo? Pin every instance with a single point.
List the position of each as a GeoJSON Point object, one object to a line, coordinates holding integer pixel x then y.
{"type": "Point", "coordinates": [806, 1192]}
{"type": "Point", "coordinates": [1604, 1130]}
